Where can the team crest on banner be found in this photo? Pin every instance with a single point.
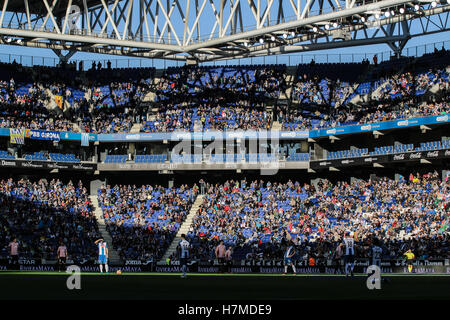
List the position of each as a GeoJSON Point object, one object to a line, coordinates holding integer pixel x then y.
{"type": "Point", "coordinates": [17, 136]}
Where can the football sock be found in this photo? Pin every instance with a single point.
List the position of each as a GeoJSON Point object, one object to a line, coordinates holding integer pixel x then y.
{"type": "Point", "coordinates": [101, 267]}
{"type": "Point", "coordinates": [106, 267]}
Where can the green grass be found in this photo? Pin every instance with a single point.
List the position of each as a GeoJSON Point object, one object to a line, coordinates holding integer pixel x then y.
{"type": "Point", "coordinates": [52, 285]}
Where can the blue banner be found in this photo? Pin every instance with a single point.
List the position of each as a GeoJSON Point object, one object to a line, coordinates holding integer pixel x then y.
{"type": "Point", "coordinates": [76, 136]}
{"type": "Point", "coordinates": [393, 124]}
{"type": "Point", "coordinates": [214, 135]}
{"type": "Point", "coordinates": [45, 135]}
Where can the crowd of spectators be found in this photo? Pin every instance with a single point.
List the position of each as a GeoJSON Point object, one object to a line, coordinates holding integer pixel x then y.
{"type": "Point", "coordinates": [256, 219]}
{"type": "Point", "coordinates": [396, 97]}
{"type": "Point", "coordinates": [208, 117]}
{"type": "Point", "coordinates": [224, 98]}
{"type": "Point", "coordinates": [42, 214]}
{"type": "Point", "coordinates": [144, 220]}
{"type": "Point", "coordinates": [98, 102]}
{"type": "Point", "coordinates": [196, 98]}
{"type": "Point", "coordinates": [26, 110]}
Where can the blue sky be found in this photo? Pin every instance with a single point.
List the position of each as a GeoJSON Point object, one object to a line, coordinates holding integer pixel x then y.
{"type": "Point", "coordinates": [357, 53]}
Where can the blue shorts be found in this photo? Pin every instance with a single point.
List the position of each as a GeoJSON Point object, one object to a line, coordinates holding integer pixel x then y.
{"type": "Point", "coordinates": [102, 259]}
{"type": "Point", "coordinates": [287, 261]}
{"type": "Point", "coordinates": [183, 261]}
{"type": "Point", "coordinates": [349, 258]}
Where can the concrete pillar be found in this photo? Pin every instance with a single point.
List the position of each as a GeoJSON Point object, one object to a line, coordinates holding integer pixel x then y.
{"type": "Point", "coordinates": [314, 182]}
{"type": "Point", "coordinates": [96, 156]}
{"type": "Point", "coordinates": [319, 152]}
{"type": "Point", "coordinates": [131, 150]}
{"type": "Point", "coordinates": [353, 179]}
{"type": "Point", "coordinates": [102, 156]}
{"type": "Point", "coordinates": [95, 185]}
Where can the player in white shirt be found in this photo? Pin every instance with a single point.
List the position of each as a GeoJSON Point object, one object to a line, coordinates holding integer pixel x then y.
{"type": "Point", "coordinates": [377, 252]}
{"type": "Point", "coordinates": [349, 256]}
{"type": "Point", "coordinates": [102, 254]}
{"type": "Point", "coordinates": [288, 254]}
{"type": "Point", "coordinates": [184, 254]}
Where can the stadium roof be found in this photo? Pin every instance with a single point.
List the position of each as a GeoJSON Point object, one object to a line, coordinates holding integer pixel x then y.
{"type": "Point", "coordinates": [59, 8]}
{"type": "Point", "coordinates": [208, 30]}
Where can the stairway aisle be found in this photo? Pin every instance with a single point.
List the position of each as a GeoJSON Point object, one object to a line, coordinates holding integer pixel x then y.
{"type": "Point", "coordinates": [184, 228]}
{"type": "Point", "coordinates": [114, 257]}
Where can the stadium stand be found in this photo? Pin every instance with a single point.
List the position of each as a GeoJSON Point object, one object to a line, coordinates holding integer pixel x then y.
{"type": "Point", "coordinates": [256, 218]}
{"type": "Point", "coordinates": [144, 220]}
{"type": "Point", "coordinates": [196, 98]}
{"type": "Point", "coordinates": [42, 213]}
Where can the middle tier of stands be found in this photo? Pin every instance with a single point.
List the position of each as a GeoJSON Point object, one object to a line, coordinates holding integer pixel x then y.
{"type": "Point", "coordinates": [198, 158]}
{"type": "Point", "coordinates": [399, 148]}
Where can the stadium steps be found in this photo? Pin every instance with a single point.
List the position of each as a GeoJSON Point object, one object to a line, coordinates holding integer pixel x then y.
{"type": "Point", "coordinates": [380, 87]}
{"type": "Point", "coordinates": [385, 83]}
{"type": "Point", "coordinates": [353, 88]}
{"type": "Point", "coordinates": [276, 125]}
{"type": "Point", "coordinates": [434, 89]}
{"type": "Point", "coordinates": [359, 97]}
{"type": "Point", "coordinates": [76, 127]}
{"type": "Point", "coordinates": [184, 228]}
{"type": "Point", "coordinates": [136, 128]}
{"type": "Point", "coordinates": [150, 96]}
{"type": "Point", "coordinates": [198, 127]}
{"type": "Point", "coordinates": [114, 257]}
{"type": "Point", "coordinates": [50, 104]}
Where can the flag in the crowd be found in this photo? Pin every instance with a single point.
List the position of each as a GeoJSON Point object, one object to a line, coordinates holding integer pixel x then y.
{"type": "Point", "coordinates": [85, 139]}
{"type": "Point", "coordinates": [17, 136]}
{"type": "Point", "coordinates": [59, 101]}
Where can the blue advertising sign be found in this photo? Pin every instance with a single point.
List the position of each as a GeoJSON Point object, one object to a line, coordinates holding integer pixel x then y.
{"type": "Point", "coordinates": [45, 135]}
{"type": "Point", "coordinates": [213, 135]}
{"type": "Point", "coordinates": [393, 124]}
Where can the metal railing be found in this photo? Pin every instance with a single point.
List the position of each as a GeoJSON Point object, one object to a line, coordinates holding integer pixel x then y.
{"type": "Point", "coordinates": [289, 60]}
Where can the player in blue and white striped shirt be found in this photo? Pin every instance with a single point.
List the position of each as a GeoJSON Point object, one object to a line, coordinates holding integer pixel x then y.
{"type": "Point", "coordinates": [102, 254]}
{"type": "Point", "coordinates": [184, 254]}
{"type": "Point", "coordinates": [290, 252]}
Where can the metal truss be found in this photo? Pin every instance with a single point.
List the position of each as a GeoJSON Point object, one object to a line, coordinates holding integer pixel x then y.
{"type": "Point", "coordinates": [207, 30]}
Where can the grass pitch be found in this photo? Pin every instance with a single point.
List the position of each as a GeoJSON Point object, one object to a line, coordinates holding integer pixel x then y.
{"type": "Point", "coordinates": [164, 286]}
